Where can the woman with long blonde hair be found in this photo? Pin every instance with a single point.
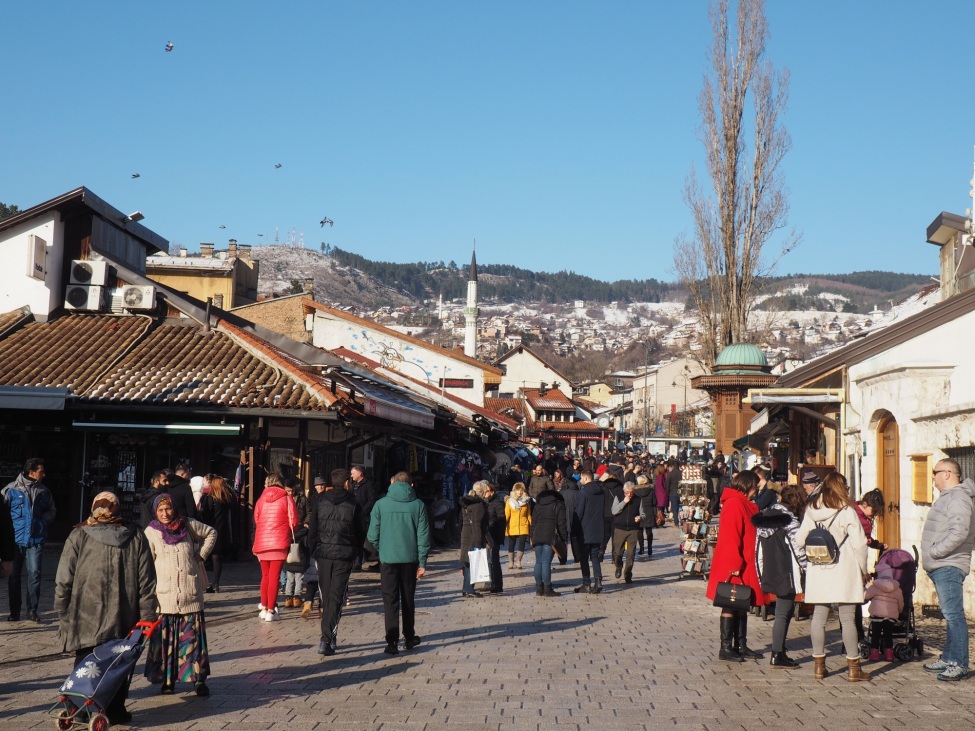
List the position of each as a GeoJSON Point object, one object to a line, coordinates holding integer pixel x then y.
{"type": "Point", "coordinates": [518, 517]}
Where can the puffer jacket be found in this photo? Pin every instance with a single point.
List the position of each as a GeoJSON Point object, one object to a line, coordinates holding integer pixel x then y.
{"type": "Point", "coordinates": [336, 526]}
{"type": "Point", "coordinates": [885, 597]}
{"type": "Point", "coordinates": [105, 583]}
{"type": "Point", "coordinates": [518, 516]}
{"type": "Point", "coordinates": [949, 530]}
{"type": "Point", "coordinates": [549, 519]}
{"type": "Point", "coordinates": [31, 510]}
{"type": "Point", "coordinates": [180, 574]}
{"type": "Point", "coordinates": [399, 527]}
{"type": "Point", "coordinates": [275, 515]}
{"type": "Point", "coordinates": [474, 525]}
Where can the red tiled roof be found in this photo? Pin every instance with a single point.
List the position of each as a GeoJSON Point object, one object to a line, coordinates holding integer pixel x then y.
{"type": "Point", "coordinates": [553, 399]}
{"type": "Point", "coordinates": [139, 361]}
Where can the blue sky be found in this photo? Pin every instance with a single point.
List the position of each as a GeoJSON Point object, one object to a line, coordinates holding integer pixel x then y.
{"type": "Point", "coordinates": [559, 134]}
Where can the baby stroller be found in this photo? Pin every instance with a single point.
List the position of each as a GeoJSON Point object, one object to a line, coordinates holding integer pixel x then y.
{"type": "Point", "coordinates": [93, 683]}
{"type": "Point", "coordinates": [907, 644]}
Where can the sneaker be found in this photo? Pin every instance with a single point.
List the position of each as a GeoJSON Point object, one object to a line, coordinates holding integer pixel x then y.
{"type": "Point", "coordinates": [270, 614]}
{"type": "Point", "coordinates": [262, 615]}
{"type": "Point", "coordinates": [953, 672]}
{"type": "Point", "coordinates": [938, 666]}
{"type": "Point", "coordinates": [261, 607]}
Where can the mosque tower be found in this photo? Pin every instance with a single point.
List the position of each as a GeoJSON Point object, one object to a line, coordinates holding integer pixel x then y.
{"type": "Point", "coordinates": [470, 311]}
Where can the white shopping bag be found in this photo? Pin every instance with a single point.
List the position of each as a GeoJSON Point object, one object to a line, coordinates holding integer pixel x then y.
{"type": "Point", "coordinates": [480, 570]}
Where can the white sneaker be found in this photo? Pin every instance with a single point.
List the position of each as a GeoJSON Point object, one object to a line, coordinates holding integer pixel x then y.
{"type": "Point", "coordinates": [271, 614]}
{"type": "Point", "coordinates": [261, 607]}
{"type": "Point", "coordinates": [263, 614]}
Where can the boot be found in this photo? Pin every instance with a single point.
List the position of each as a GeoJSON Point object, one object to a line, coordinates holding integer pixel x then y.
{"type": "Point", "coordinates": [819, 667]}
{"type": "Point", "coordinates": [539, 590]}
{"type": "Point", "coordinates": [889, 654]}
{"type": "Point", "coordinates": [597, 586]}
{"type": "Point", "coordinates": [549, 591]}
{"type": "Point", "coordinates": [727, 651]}
{"type": "Point", "coordinates": [874, 654]}
{"type": "Point", "coordinates": [853, 672]}
{"type": "Point", "coordinates": [583, 588]}
{"type": "Point", "coordinates": [741, 639]}
{"type": "Point", "coordinates": [782, 660]}
{"type": "Point", "coordinates": [306, 610]}
{"type": "Point", "coordinates": [511, 559]}
{"type": "Point", "coordinates": [518, 557]}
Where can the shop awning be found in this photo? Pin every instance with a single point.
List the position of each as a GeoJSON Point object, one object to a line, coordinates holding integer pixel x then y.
{"type": "Point", "coordinates": [786, 396]}
{"type": "Point", "coordinates": [426, 444]}
{"type": "Point", "coordinates": [386, 403]}
{"type": "Point", "coordinates": [35, 398]}
{"type": "Point", "coordinates": [217, 430]}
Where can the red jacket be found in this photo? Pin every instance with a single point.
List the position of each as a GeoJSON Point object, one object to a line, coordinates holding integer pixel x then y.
{"type": "Point", "coordinates": [275, 514]}
{"type": "Point", "coordinates": [735, 550]}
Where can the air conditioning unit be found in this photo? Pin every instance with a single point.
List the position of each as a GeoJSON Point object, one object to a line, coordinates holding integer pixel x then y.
{"type": "Point", "coordinates": [138, 297]}
{"type": "Point", "coordinates": [84, 271]}
{"type": "Point", "coordinates": [83, 297]}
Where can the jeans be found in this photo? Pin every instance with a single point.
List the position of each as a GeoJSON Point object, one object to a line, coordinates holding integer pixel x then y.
{"type": "Point", "coordinates": [29, 556]}
{"type": "Point", "coordinates": [948, 582]}
{"type": "Point", "coordinates": [783, 618]}
{"type": "Point", "coordinates": [675, 508]}
{"type": "Point", "coordinates": [543, 564]}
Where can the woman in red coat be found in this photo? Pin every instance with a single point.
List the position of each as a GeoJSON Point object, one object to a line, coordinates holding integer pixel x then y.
{"type": "Point", "coordinates": [275, 517]}
{"type": "Point", "coordinates": [734, 556]}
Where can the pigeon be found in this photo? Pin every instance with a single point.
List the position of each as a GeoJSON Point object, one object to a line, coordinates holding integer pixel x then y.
{"type": "Point", "coordinates": [277, 165]}
{"type": "Point", "coordinates": [169, 46]}
{"type": "Point", "coordinates": [136, 175]}
{"type": "Point", "coordinates": [222, 226]}
{"type": "Point", "coordinates": [327, 220]}
{"type": "Point", "coordinates": [260, 234]}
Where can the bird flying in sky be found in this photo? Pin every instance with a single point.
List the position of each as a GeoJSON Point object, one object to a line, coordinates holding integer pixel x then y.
{"type": "Point", "coordinates": [277, 165]}
{"type": "Point", "coordinates": [169, 46]}
{"type": "Point", "coordinates": [327, 220]}
{"type": "Point", "coordinates": [222, 226]}
{"type": "Point", "coordinates": [136, 175]}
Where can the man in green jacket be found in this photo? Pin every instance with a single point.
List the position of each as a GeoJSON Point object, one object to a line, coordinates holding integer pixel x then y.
{"type": "Point", "coordinates": [399, 530]}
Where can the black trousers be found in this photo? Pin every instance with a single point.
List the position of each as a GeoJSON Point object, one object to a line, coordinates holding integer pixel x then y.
{"type": "Point", "coordinates": [333, 581]}
{"type": "Point", "coordinates": [494, 557]}
{"type": "Point", "coordinates": [398, 582]}
{"type": "Point", "coordinates": [607, 536]}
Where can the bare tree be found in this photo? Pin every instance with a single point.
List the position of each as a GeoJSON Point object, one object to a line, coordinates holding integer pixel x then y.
{"type": "Point", "coordinates": [748, 202]}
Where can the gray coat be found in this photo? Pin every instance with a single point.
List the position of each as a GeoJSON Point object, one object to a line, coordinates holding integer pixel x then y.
{"type": "Point", "coordinates": [949, 530]}
{"type": "Point", "coordinates": [105, 583]}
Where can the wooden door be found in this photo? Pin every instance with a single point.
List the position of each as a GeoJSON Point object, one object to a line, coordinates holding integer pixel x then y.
{"type": "Point", "coordinates": [888, 480]}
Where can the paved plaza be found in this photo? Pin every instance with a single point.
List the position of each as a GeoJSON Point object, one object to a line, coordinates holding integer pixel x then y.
{"type": "Point", "coordinates": [634, 657]}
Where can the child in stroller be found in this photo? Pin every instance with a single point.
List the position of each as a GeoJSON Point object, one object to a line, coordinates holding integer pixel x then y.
{"type": "Point", "coordinates": [907, 645]}
{"type": "Point", "coordinates": [886, 605]}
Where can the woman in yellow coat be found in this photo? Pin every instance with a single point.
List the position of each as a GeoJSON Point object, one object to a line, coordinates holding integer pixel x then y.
{"type": "Point", "coordinates": [518, 516]}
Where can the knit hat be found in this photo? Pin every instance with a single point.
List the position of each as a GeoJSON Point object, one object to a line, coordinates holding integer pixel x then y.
{"type": "Point", "coordinates": [601, 470]}
{"type": "Point", "coordinates": [809, 477]}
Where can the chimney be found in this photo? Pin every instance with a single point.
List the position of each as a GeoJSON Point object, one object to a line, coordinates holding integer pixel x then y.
{"type": "Point", "coordinates": [218, 301]}
{"type": "Point", "coordinates": [182, 251]}
{"type": "Point", "coordinates": [244, 252]}
{"type": "Point", "coordinates": [309, 285]}
{"type": "Point", "coordinates": [206, 251]}
{"type": "Point", "coordinates": [232, 249]}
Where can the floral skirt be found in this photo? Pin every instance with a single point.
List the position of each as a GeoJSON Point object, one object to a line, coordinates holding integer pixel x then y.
{"type": "Point", "coordinates": [178, 650]}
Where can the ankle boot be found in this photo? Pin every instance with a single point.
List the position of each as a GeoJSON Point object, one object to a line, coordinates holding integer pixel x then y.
{"type": "Point", "coordinates": [782, 660]}
{"type": "Point", "coordinates": [727, 652]}
{"type": "Point", "coordinates": [853, 671]}
{"type": "Point", "coordinates": [306, 610]}
{"type": "Point", "coordinates": [874, 654]}
{"type": "Point", "coordinates": [888, 654]}
{"type": "Point", "coordinates": [511, 559]}
{"type": "Point", "coordinates": [550, 592]}
{"type": "Point", "coordinates": [518, 557]}
{"type": "Point", "coordinates": [819, 667]}
{"type": "Point", "coordinates": [583, 588]}
{"type": "Point", "coordinates": [539, 590]}
{"type": "Point", "coordinates": [597, 586]}
{"type": "Point", "coordinates": [741, 639]}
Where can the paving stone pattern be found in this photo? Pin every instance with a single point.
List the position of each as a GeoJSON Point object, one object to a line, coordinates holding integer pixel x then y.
{"type": "Point", "coordinates": [640, 656]}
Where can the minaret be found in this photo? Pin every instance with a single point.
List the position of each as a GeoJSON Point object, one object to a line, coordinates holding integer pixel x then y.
{"type": "Point", "coordinates": [470, 311]}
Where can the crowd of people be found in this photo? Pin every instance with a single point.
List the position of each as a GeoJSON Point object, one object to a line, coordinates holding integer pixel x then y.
{"type": "Point", "coordinates": [570, 509]}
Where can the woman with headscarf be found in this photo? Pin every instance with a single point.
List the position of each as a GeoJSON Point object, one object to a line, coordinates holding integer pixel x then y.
{"type": "Point", "coordinates": [178, 649]}
{"type": "Point", "coordinates": [105, 584]}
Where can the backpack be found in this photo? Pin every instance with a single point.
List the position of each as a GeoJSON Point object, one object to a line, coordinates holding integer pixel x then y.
{"type": "Point", "coordinates": [821, 547]}
{"type": "Point", "coordinates": [776, 564]}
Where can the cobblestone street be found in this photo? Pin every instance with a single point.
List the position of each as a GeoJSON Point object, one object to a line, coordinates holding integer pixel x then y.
{"type": "Point", "coordinates": [634, 657]}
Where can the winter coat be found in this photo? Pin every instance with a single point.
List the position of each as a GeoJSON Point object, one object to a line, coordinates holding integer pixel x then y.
{"type": "Point", "coordinates": [735, 549]}
{"type": "Point", "coordinates": [612, 489]}
{"type": "Point", "coordinates": [336, 526]}
{"type": "Point", "coordinates": [518, 516]}
{"type": "Point", "coordinates": [548, 519]}
{"type": "Point", "coordinates": [779, 571]}
{"type": "Point", "coordinates": [673, 481]}
{"type": "Point", "coordinates": [625, 514]}
{"type": "Point", "coordinates": [181, 576]}
{"type": "Point", "coordinates": [648, 505]}
{"type": "Point", "coordinates": [949, 529]}
{"type": "Point", "coordinates": [182, 494]}
{"type": "Point", "coordinates": [8, 545]}
{"type": "Point", "coordinates": [31, 510]}
{"type": "Point", "coordinates": [570, 494]}
{"type": "Point", "coordinates": [474, 525]}
{"type": "Point", "coordinates": [885, 597]}
{"type": "Point", "coordinates": [867, 524]}
{"type": "Point", "coordinates": [497, 522]}
{"type": "Point", "coordinates": [275, 514]}
{"type": "Point", "coordinates": [105, 583]}
{"type": "Point", "coordinates": [536, 485]}
{"type": "Point", "coordinates": [364, 495]}
{"type": "Point", "coordinates": [398, 527]}
{"type": "Point", "coordinates": [660, 486]}
{"type": "Point", "coordinates": [766, 498]}
{"type": "Point", "coordinates": [222, 517]}
{"type": "Point", "coordinates": [842, 582]}
{"type": "Point", "coordinates": [589, 511]}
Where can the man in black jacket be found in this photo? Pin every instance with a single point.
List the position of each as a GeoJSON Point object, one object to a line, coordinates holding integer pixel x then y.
{"type": "Point", "coordinates": [612, 482]}
{"type": "Point", "coordinates": [363, 493]}
{"type": "Point", "coordinates": [627, 520]}
{"type": "Point", "coordinates": [179, 489]}
{"type": "Point", "coordinates": [336, 530]}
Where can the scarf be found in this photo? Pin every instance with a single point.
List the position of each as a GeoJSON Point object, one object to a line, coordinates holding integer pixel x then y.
{"type": "Point", "coordinates": [176, 530]}
{"type": "Point", "coordinates": [104, 509]}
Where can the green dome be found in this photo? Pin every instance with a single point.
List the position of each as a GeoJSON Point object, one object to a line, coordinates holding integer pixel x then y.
{"type": "Point", "coordinates": [742, 354]}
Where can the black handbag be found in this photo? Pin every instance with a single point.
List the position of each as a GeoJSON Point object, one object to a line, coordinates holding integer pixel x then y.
{"type": "Point", "coordinates": [736, 597]}
{"type": "Point", "coordinates": [559, 547]}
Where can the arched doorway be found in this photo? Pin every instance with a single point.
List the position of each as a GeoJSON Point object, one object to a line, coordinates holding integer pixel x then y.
{"type": "Point", "coordinates": [888, 480]}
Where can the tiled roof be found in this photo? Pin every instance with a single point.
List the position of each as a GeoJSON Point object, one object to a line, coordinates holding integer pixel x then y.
{"type": "Point", "coordinates": [136, 360]}
{"type": "Point", "coordinates": [552, 400]}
